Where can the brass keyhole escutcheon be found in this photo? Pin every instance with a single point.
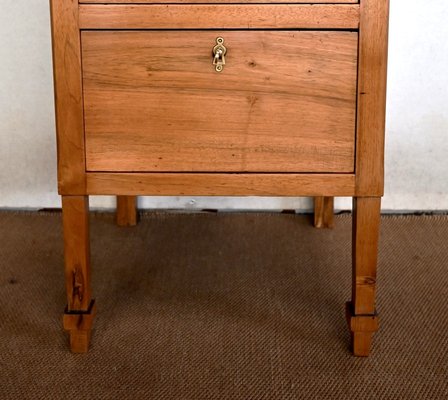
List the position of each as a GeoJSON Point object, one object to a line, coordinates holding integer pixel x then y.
{"type": "Point", "coordinates": [219, 52]}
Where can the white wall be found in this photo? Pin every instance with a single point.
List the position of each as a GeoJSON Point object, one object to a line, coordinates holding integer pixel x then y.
{"type": "Point", "coordinates": [417, 117]}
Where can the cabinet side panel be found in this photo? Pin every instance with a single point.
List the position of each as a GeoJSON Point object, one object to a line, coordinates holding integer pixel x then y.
{"type": "Point", "coordinates": [68, 96]}
{"type": "Point", "coordinates": [371, 97]}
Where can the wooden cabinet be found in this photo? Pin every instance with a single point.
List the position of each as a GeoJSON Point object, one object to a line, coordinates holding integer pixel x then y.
{"type": "Point", "coordinates": [212, 98]}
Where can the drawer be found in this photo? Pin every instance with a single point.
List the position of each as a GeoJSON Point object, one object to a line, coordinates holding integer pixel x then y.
{"type": "Point", "coordinates": [285, 101]}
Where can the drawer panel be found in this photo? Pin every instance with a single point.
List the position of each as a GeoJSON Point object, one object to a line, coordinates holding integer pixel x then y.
{"type": "Point", "coordinates": [224, 16]}
{"type": "Point", "coordinates": [284, 102]}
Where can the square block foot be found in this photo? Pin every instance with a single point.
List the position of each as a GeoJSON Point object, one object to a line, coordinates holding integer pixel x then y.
{"type": "Point", "coordinates": [79, 325]}
{"type": "Point", "coordinates": [362, 328]}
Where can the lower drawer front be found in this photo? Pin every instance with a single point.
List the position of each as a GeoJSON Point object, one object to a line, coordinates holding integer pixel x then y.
{"type": "Point", "coordinates": [285, 101]}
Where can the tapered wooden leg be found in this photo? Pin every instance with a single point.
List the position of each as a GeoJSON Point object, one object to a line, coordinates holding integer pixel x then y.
{"type": "Point", "coordinates": [80, 310]}
{"type": "Point", "coordinates": [361, 313]}
{"type": "Point", "coordinates": [126, 210]}
{"type": "Point", "coordinates": [324, 212]}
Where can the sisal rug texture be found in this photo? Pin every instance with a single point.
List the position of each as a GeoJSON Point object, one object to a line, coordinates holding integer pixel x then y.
{"type": "Point", "coordinates": [223, 306]}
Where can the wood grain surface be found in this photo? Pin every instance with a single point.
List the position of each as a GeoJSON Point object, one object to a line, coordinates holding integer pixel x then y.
{"type": "Point", "coordinates": [75, 221]}
{"type": "Point", "coordinates": [126, 211]}
{"type": "Point", "coordinates": [229, 184]}
{"type": "Point", "coordinates": [366, 225]}
{"type": "Point", "coordinates": [219, 16]}
{"type": "Point", "coordinates": [372, 79]}
{"type": "Point", "coordinates": [324, 212]}
{"type": "Point", "coordinates": [362, 317]}
{"type": "Point", "coordinates": [68, 96]}
{"type": "Point", "coordinates": [285, 101]}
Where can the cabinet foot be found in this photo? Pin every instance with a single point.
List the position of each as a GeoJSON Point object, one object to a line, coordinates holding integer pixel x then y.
{"type": "Point", "coordinates": [79, 326]}
{"type": "Point", "coordinates": [361, 314]}
{"type": "Point", "coordinates": [324, 212]}
{"type": "Point", "coordinates": [362, 328]}
{"type": "Point", "coordinates": [126, 210]}
{"type": "Point", "coordinates": [80, 309]}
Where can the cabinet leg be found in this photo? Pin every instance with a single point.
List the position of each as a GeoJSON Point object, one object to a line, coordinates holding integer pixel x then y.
{"type": "Point", "coordinates": [80, 310]}
{"type": "Point", "coordinates": [126, 210]}
{"type": "Point", "coordinates": [324, 212]}
{"type": "Point", "coordinates": [361, 314]}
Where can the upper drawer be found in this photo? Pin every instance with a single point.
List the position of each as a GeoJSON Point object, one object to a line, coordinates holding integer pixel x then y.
{"type": "Point", "coordinates": [219, 16]}
{"type": "Point", "coordinates": [285, 101]}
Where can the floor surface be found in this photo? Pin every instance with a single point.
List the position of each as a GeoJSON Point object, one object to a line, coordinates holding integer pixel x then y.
{"type": "Point", "coordinates": [223, 306]}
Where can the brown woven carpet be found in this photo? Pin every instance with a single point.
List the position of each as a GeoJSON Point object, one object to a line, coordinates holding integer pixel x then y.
{"type": "Point", "coordinates": [223, 306]}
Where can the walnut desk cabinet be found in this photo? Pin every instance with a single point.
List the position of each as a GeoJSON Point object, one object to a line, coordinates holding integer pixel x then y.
{"type": "Point", "coordinates": [225, 98]}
